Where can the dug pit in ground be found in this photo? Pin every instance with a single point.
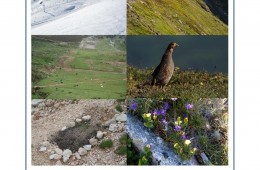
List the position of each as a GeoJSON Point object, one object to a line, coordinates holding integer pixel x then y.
{"type": "Point", "coordinates": [75, 137]}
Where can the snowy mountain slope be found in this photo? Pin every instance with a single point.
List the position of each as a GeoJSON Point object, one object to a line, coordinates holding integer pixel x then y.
{"type": "Point", "coordinates": [47, 10]}
{"type": "Point", "coordinates": [78, 17]}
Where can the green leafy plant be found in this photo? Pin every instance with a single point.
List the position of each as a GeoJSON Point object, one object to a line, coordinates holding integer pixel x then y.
{"type": "Point", "coordinates": [123, 139]}
{"type": "Point", "coordinates": [134, 157]}
{"type": "Point", "coordinates": [148, 120]}
{"type": "Point", "coordinates": [122, 149]}
{"type": "Point", "coordinates": [184, 149]}
{"type": "Point", "coordinates": [146, 156]}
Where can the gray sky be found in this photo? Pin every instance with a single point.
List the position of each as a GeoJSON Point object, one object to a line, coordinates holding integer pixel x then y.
{"type": "Point", "coordinates": [208, 53]}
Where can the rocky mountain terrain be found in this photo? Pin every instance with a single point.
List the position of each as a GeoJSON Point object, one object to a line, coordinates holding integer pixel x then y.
{"type": "Point", "coordinates": [78, 132]}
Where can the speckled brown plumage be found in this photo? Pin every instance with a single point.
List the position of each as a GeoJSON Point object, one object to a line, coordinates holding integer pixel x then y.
{"type": "Point", "coordinates": [164, 71]}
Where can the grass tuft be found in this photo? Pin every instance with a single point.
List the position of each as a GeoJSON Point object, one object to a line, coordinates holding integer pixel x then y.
{"type": "Point", "coordinates": [123, 139]}
{"type": "Point", "coordinates": [119, 108]}
{"type": "Point", "coordinates": [106, 144]}
{"type": "Point", "coordinates": [121, 150]}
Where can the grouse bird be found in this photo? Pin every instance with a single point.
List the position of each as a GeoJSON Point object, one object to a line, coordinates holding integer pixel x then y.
{"type": "Point", "coordinates": [163, 72]}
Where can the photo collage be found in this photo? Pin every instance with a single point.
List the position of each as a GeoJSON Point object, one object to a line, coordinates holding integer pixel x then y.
{"type": "Point", "coordinates": [129, 82]}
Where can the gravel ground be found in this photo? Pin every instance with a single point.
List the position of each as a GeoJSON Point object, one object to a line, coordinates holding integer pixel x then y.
{"type": "Point", "coordinates": [50, 116]}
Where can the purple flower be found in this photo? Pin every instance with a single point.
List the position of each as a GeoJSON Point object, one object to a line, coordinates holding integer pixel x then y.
{"type": "Point", "coordinates": [133, 106]}
{"type": "Point", "coordinates": [183, 136]}
{"type": "Point", "coordinates": [177, 128]}
{"type": "Point", "coordinates": [174, 99]}
{"type": "Point", "coordinates": [162, 112]}
{"type": "Point", "coordinates": [207, 115]}
{"type": "Point", "coordinates": [155, 112]}
{"type": "Point", "coordinates": [189, 106]}
{"type": "Point", "coordinates": [166, 106]}
{"type": "Point", "coordinates": [164, 121]}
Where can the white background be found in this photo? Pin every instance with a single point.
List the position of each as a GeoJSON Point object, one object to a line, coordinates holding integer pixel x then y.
{"type": "Point", "coordinates": [247, 84]}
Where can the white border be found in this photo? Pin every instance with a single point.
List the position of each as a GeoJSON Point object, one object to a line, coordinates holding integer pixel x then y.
{"type": "Point", "coordinates": [230, 77]}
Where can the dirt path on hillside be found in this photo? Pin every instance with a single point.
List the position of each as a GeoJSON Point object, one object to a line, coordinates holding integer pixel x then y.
{"type": "Point", "coordinates": [66, 59]}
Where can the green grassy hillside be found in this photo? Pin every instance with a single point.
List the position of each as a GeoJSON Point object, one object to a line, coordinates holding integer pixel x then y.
{"type": "Point", "coordinates": [180, 17]}
{"type": "Point", "coordinates": [65, 71]}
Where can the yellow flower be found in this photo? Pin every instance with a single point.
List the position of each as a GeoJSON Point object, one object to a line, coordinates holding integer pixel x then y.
{"type": "Point", "coordinates": [148, 114]}
{"type": "Point", "coordinates": [187, 142]}
{"type": "Point", "coordinates": [154, 117]}
{"type": "Point", "coordinates": [178, 122]}
{"type": "Point", "coordinates": [186, 120]}
{"type": "Point", "coordinates": [176, 145]}
{"type": "Point", "coordinates": [193, 150]}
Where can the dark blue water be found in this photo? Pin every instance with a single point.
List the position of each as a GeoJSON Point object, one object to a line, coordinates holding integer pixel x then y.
{"type": "Point", "coordinates": [203, 53]}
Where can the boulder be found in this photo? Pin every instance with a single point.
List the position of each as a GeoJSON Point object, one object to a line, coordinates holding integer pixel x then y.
{"type": "Point", "coordinates": [93, 141]}
{"type": "Point", "coordinates": [82, 151]}
{"type": "Point", "coordinates": [121, 118]}
{"type": "Point", "coordinates": [113, 127]}
{"type": "Point", "coordinates": [87, 147]}
{"type": "Point", "coordinates": [86, 118]}
{"type": "Point", "coordinates": [99, 135]}
{"type": "Point", "coordinates": [66, 155]}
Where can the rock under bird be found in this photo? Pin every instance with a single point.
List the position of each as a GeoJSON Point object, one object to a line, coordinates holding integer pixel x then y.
{"type": "Point", "coordinates": [164, 71]}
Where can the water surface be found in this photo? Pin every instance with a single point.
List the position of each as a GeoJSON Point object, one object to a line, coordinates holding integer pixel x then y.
{"type": "Point", "coordinates": [208, 53]}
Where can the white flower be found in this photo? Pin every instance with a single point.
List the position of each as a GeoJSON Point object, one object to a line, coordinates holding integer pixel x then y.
{"type": "Point", "coordinates": [187, 142]}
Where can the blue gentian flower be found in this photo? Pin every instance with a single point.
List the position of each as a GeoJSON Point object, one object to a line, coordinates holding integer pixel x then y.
{"type": "Point", "coordinates": [183, 136]}
{"type": "Point", "coordinates": [133, 106]}
{"type": "Point", "coordinates": [177, 128]}
{"type": "Point", "coordinates": [164, 121]}
{"type": "Point", "coordinates": [162, 112]}
{"type": "Point", "coordinates": [189, 106]}
{"type": "Point", "coordinates": [166, 106]}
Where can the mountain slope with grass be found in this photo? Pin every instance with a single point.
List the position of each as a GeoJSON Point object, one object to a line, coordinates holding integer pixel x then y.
{"type": "Point", "coordinates": [180, 17]}
{"type": "Point", "coordinates": [188, 84]}
{"type": "Point", "coordinates": [92, 68]}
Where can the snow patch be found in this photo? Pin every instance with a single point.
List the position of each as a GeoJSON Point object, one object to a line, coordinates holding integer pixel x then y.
{"type": "Point", "coordinates": [78, 17]}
